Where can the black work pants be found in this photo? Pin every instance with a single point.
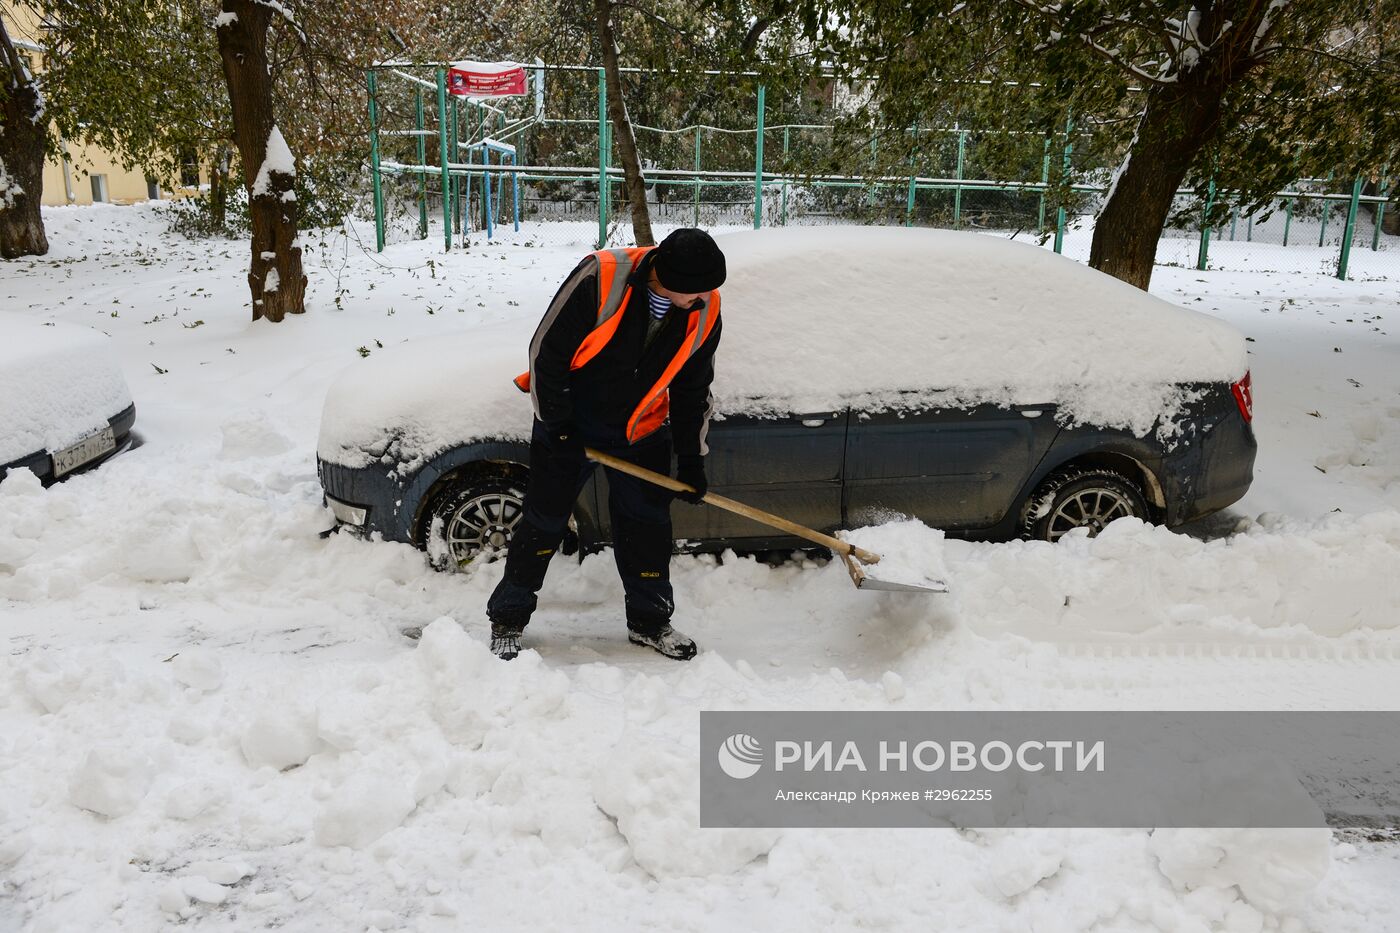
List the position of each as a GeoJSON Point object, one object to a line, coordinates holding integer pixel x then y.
{"type": "Point", "coordinates": [641, 527]}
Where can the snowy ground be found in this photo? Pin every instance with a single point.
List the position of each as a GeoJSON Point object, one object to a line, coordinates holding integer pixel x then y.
{"type": "Point", "coordinates": [209, 715]}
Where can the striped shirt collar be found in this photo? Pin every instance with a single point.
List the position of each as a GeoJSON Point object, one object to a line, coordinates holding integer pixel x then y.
{"type": "Point", "coordinates": [659, 304]}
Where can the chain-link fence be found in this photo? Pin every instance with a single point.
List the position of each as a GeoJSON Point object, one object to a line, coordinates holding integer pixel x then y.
{"type": "Point", "coordinates": [528, 171]}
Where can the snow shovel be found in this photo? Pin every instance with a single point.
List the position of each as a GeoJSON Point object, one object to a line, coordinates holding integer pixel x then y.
{"type": "Point", "coordinates": [860, 563]}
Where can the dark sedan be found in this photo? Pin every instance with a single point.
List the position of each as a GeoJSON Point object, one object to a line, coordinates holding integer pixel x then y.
{"type": "Point", "coordinates": [990, 389]}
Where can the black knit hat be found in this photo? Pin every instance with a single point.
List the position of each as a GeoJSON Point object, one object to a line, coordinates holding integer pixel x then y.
{"type": "Point", "coordinates": [689, 261]}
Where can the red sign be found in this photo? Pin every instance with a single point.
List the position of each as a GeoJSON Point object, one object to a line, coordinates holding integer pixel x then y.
{"type": "Point", "coordinates": [486, 79]}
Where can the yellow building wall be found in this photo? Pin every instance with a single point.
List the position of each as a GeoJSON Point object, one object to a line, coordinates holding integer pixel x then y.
{"type": "Point", "coordinates": [123, 186]}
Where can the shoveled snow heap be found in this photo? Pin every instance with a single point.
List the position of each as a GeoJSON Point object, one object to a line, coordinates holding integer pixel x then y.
{"type": "Point", "coordinates": [58, 384]}
{"type": "Point", "coordinates": [910, 552]}
{"type": "Point", "coordinates": [824, 319]}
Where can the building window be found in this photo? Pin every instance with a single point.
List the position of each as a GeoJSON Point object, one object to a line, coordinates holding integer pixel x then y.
{"type": "Point", "coordinates": [189, 168]}
{"type": "Point", "coordinates": [152, 189]}
{"type": "Point", "coordinates": [99, 188]}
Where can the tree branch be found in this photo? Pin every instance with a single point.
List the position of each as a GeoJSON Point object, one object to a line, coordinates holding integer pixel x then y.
{"type": "Point", "coordinates": [654, 17]}
{"type": "Point", "coordinates": [1351, 63]}
{"type": "Point", "coordinates": [18, 71]}
{"type": "Point", "coordinates": [1106, 54]}
{"type": "Point", "coordinates": [760, 25]}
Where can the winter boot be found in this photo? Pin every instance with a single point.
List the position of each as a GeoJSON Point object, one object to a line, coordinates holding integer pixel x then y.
{"type": "Point", "coordinates": [666, 640]}
{"type": "Point", "coordinates": [505, 642]}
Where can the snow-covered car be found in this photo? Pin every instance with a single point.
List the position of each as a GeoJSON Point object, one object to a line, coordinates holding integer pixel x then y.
{"type": "Point", "coordinates": [989, 388]}
{"type": "Point", "coordinates": [64, 403]}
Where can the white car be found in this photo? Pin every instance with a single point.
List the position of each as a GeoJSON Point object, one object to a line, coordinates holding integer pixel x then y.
{"type": "Point", "coordinates": [64, 403]}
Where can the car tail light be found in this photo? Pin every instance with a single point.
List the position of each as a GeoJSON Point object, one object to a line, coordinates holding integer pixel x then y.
{"type": "Point", "coordinates": [1244, 397]}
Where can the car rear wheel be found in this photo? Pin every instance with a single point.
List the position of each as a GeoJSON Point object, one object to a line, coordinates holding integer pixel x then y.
{"type": "Point", "coordinates": [1081, 498]}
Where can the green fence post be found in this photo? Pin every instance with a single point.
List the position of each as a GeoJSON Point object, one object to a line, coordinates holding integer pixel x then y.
{"type": "Point", "coordinates": [1380, 214]}
{"type": "Point", "coordinates": [1234, 220]}
{"type": "Point", "coordinates": [786, 131]}
{"type": "Point", "coordinates": [957, 191]}
{"type": "Point", "coordinates": [482, 177]}
{"type": "Point", "coordinates": [913, 181]}
{"type": "Point", "coordinates": [870, 184]}
{"type": "Point", "coordinates": [467, 182]}
{"type": "Point", "coordinates": [696, 183]}
{"type": "Point", "coordinates": [1203, 253]}
{"type": "Point", "coordinates": [1322, 233]}
{"type": "Point", "coordinates": [602, 159]}
{"type": "Point", "coordinates": [456, 182]}
{"type": "Point", "coordinates": [758, 163]}
{"type": "Point", "coordinates": [1044, 183]}
{"type": "Point", "coordinates": [374, 162]}
{"type": "Point", "coordinates": [442, 150]}
{"type": "Point", "coordinates": [1349, 230]}
{"type": "Point", "coordinates": [1287, 220]}
{"type": "Point", "coordinates": [422, 174]}
{"type": "Point", "coordinates": [1060, 215]}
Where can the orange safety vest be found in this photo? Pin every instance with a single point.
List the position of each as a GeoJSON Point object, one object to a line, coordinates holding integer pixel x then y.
{"type": "Point", "coordinates": [614, 269]}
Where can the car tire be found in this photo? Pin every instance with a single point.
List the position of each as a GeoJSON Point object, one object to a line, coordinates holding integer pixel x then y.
{"type": "Point", "coordinates": [1081, 497]}
{"type": "Point", "coordinates": [471, 518]}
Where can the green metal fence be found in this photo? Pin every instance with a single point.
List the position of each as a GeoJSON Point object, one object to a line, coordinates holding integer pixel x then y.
{"type": "Point", "coordinates": [542, 170]}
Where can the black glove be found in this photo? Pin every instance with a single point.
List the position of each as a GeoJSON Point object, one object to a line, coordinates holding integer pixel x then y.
{"type": "Point", "coordinates": [564, 441]}
{"type": "Point", "coordinates": [690, 469]}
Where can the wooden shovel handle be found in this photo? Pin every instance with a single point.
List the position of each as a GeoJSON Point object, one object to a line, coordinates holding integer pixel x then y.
{"type": "Point", "coordinates": [738, 508]}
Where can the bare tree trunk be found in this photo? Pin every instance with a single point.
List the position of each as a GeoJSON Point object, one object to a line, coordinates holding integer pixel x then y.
{"type": "Point", "coordinates": [1175, 125]}
{"type": "Point", "coordinates": [1180, 118]}
{"type": "Point", "coordinates": [22, 149]}
{"type": "Point", "coordinates": [275, 278]}
{"type": "Point", "coordinates": [633, 181]}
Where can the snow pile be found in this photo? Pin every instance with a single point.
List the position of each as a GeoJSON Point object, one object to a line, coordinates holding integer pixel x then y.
{"type": "Point", "coordinates": [910, 552]}
{"type": "Point", "coordinates": [277, 160]}
{"type": "Point", "coordinates": [652, 790]}
{"type": "Point", "coordinates": [58, 383]}
{"type": "Point", "coordinates": [1274, 869]}
{"type": "Point", "coordinates": [1334, 576]}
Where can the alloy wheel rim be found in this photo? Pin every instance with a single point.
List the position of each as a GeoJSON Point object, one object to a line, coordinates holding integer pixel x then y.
{"type": "Point", "coordinates": [482, 526]}
{"type": "Point", "coordinates": [1088, 508]}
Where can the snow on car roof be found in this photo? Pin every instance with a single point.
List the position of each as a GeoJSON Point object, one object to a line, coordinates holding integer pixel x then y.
{"type": "Point", "coordinates": [817, 317]}
{"type": "Point", "coordinates": [825, 318]}
{"type": "Point", "coordinates": [58, 383]}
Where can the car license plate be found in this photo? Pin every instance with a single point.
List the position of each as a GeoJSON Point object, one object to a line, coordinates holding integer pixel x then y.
{"type": "Point", "coordinates": [88, 449]}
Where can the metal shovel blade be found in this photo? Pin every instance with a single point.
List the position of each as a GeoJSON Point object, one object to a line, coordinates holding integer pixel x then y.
{"type": "Point", "coordinates": [864, 579]}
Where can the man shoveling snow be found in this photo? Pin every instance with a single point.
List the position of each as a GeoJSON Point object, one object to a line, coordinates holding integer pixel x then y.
{"type": "Point", "coordinates": [622, 362]}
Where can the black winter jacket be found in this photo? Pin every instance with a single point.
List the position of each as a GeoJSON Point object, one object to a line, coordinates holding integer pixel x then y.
{"type": "Point", "coordinates": [605, 391]}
